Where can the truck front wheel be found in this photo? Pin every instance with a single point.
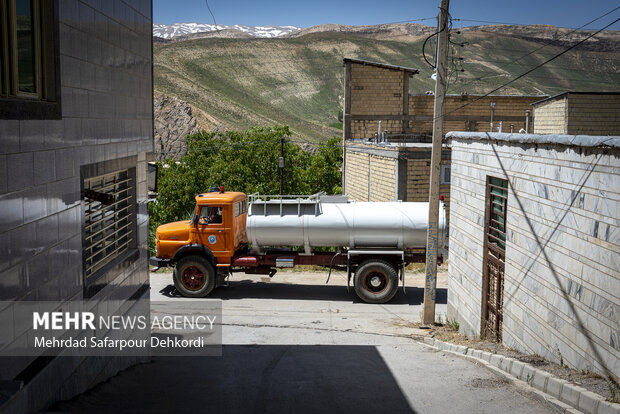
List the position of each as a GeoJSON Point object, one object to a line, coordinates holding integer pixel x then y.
{"type": "Point", "coordinates": [194, 276]}
{"type": "Point", "coordinates": [376, 281]}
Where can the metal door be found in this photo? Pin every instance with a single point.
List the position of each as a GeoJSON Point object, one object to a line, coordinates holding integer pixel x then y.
{"type": "Point", "coordinates": [212, 226]}
{"type": "Point", "coordinates": [494, 258]}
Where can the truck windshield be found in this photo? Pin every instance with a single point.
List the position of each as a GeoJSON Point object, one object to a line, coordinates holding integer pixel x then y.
{"type": "Point", "coordinates": [194, 218]}
{"type": "Point", "coordinates": [210, 215]}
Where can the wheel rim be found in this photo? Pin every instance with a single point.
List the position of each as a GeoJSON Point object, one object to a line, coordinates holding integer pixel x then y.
{"type": "Point", "coordinates": [375, 282]}
{"type": "Point", "coordinates": [193, 278]}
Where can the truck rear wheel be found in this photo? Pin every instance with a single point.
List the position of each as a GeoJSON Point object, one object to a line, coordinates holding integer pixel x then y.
{"type": "Point", "coordinates": [194, 276]}
{"type": "Point", "coordinates": [376, 281]}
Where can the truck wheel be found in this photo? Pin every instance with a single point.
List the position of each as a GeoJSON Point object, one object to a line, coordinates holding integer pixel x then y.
{"type": "Point", "coordinates": [376, 281]}
{"type": "Point", "coordinates": [194, 277]}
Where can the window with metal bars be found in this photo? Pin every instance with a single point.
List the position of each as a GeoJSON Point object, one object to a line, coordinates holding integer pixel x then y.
{"type": "Point", "coordinates": [497, 197]}
{"type": "Point", "coordinates": [109, 219]}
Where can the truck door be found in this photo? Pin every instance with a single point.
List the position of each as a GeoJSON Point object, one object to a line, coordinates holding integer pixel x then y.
{"type": "Point", "coordinates": [213, 230]}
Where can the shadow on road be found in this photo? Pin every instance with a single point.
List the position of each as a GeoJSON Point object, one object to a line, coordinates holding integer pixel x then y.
{"type": "Point", "coordinates": [251, 378]}
{"type": "Point", "coordinates": [260, 290]}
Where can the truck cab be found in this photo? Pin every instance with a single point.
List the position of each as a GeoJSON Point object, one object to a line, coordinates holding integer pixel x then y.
{"type": "Point", "coordinates": [204, 244]}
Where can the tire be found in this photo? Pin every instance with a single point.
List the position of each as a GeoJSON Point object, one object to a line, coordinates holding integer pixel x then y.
{"type": "Point", "coordinates": [376, 281]}
{"type": "Point", "coordinates": [194, 276]}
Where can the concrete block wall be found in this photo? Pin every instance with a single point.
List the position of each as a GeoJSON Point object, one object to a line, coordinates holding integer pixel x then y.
{"type": "Point", "coordinates": [356, 175]}
{"type": "Point", "coordinates": [562, 272]}
{"type": "Point", "coordinates": [368, 129]}
{"type": "Point", "coordinates": [579, 114]}
{"type": "Point", "coordinates": [593, 114]}
{"type": "Point", "coordinates": [361, 163]}
{"type": "Point", "coordinates": [376, 90]}
{"type": "Point", "coordinates": [477, 112]}
{"type": "Point", "coordinates": [382, 178]}
{"type": "Point", "coordinates": [363, 169]}
{"type": "Point", "coordinates": [551, 117]}
{"type": "Point", "coordinates": [106, 89]}
{"type": "Point", "coordinates": [418, 182]}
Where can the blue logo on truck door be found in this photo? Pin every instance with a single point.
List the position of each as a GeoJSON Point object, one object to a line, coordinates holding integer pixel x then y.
{"type": "Point", "coordinates": [212, 239]}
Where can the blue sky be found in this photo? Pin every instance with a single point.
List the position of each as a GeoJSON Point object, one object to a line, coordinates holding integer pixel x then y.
{"type": "Point", "coordinates": [564, 13]}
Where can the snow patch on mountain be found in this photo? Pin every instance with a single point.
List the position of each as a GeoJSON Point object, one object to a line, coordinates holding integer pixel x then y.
{"type": "Point", "coordinates": [168, 31]}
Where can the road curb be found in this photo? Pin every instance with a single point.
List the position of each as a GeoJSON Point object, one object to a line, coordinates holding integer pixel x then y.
{"type": "Point", "coordinates": [564, 396]}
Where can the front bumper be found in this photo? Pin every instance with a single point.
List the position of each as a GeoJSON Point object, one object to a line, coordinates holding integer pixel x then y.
{"type": "Point", "coordinates": [157, 262]}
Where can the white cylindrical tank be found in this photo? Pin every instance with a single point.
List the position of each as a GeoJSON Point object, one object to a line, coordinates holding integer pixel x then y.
{"type": "Point", "coordinates": [342, 224]}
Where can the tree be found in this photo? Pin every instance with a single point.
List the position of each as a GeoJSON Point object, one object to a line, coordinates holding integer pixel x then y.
{"type": "Point", "coordinates": [324, 171]}
{"type": "Point", "coordinates": [246, 162]}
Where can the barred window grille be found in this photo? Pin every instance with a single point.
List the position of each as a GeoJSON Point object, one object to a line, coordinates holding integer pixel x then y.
{"type": "Point", "coordinates": [108, 219]}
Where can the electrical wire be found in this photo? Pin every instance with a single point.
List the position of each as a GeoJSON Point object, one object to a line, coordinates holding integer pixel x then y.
{"type": "Point", "coordinates": [490, 22]}
{"type": "Point", "coordinates": [226, 49]}
{"type": "Point", "coordinates": [449, 20]}
{"type": "Point", "coordinates": [533, 69]}
{"type": "Point", "coordinates": [564, 35]}
{"type": "Point", "coordinates": [412, 20]}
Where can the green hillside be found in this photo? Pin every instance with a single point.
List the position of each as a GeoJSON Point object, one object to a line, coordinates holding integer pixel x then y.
{"type": "Point", "coordinates": [299, 81]}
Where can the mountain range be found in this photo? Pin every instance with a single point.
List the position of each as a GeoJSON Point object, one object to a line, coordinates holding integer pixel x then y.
{"type": "Point", "coordinates": [237, 80]}
{"type": "Point", "coordinates": [170, 31]}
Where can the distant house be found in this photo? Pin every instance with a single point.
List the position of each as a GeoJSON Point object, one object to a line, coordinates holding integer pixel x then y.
{"type": "Point", "coordinates": [534, 242]}
{"type": "Point", "coordinates": [392, 171]}
{"type": "Point", "coordinates": [375, 92]}
{"type": "Point", "coordinates": [387, 131]}
{"type": "Point", "coordinates": [578, 113]}
{"type": "Point", "coordinates": [379, 92]}
{"type": "Point", "coordinates": [76, 116]}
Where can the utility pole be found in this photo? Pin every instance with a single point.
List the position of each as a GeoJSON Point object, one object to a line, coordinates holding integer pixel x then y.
{"type": "Point", "coordinates": [281, 165]}
{"type": "Point", "coordinates": [430, 286]}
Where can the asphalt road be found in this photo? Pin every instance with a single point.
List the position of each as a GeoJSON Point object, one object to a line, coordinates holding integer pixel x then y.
{"type": "Point", "coordinates": [307, 348]}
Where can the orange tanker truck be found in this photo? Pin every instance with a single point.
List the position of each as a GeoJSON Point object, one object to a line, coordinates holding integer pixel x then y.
{"type": "Point", "coordinates": [259, 234]}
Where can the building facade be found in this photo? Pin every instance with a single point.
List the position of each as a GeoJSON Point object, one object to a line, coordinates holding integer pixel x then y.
{"type": "Point", "coordinates": [376, 92]}
{"type": "Point", "coordinates": [392, 172]}
{"type": "Point", "coordinates": [578, 113]}
{"type": "Point", "coordinates": [387, 131]}
{"type": "Point", "coordinates": [534, 242]}
{"type": "Point", "coordinates": [75, 129]}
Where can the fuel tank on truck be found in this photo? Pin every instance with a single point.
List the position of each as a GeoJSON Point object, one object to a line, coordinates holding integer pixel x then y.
{"type": "Point", "coordinates": [321, 220]}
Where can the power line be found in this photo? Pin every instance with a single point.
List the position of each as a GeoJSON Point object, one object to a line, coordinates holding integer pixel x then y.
{"type": "Point", "coordinates": [563, 69]}
{"type": "Point", "coordinates": [534, 68]}
{"type": "Point", "coordinates": [564, 35]}
{"type": "Point", "coordinates": [409, 21]}
{"type": "Point", "coordinates": [447, 24]}
{"type": "Point", "coordinates": [489, 22]}
{"type": "Point", "coordinates": [226, 49]}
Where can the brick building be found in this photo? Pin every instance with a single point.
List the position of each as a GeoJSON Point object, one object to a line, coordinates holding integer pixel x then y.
{"type": "Point", "coordinates": [534, 242]}
{"type": "Point", "coordinates": [75, 127]}
{"type": "Point", "coordinates": [388, 172]}
{"type": "Point", "coordinates": [576, 113]}
{"type": "Point", "coordinates": [377, 97]}
{"type": "Point", "coordinates": [378, 92]}
{"type": "Point", "coordinates": [375, 92]}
